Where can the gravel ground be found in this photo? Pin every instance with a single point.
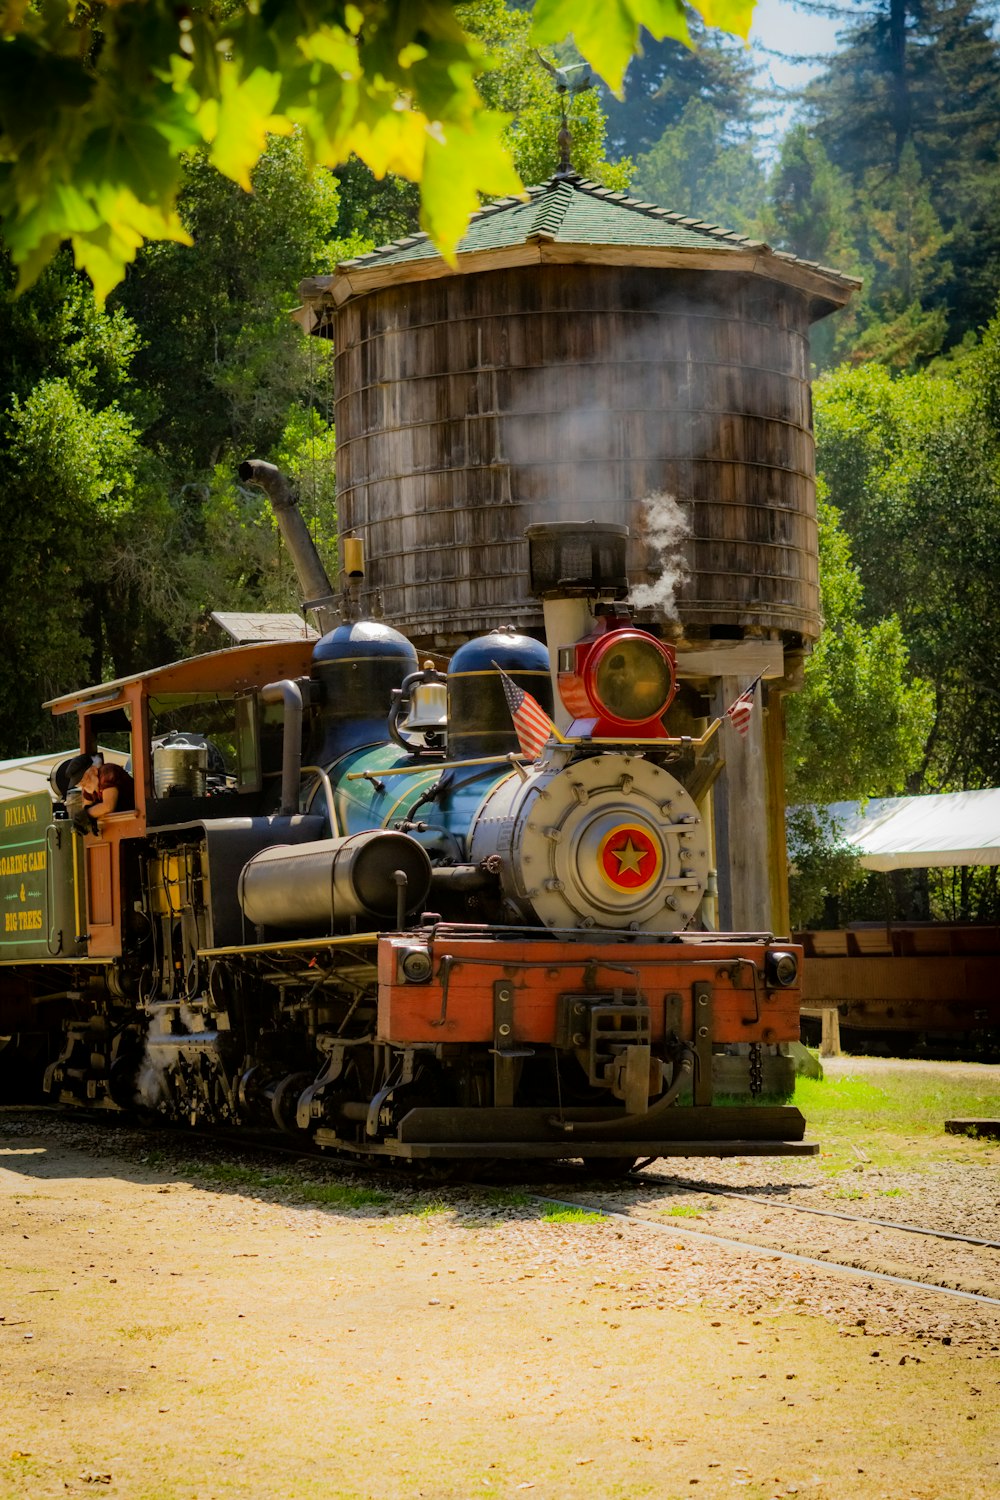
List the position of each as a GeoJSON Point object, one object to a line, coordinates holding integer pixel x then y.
{"type": "Point", "coordinates": [958, 1195]}
{"type": "Point", "coordinates": [180, 1322]}
{"type": "Point", "coordinates": [878, 1306]}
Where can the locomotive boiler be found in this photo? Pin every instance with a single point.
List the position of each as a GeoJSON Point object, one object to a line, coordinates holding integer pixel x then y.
{"type": "Point", "coordinates": [398, 910]}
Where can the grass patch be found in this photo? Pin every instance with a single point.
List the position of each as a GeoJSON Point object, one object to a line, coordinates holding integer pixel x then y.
{"type": "Point", "coordinates": [508, 1198]}
{"type": "Point", "coordinates": [682, 1211]}
{"type": "Point", "coordinates": [889, 1119]}
{"type": "Point", "coordinates": [902, 1103]}
{"type": "Point", "coordinates": [228, 1174]}
{"type": "Point", "coordinates": [255, 1179]}
{"type": "Point", "coordinates": [428, 1209]}
{"type": "Point", "coordinates": [337, 1195]}
{"type": "Point", "coordinates": [560, 1214]}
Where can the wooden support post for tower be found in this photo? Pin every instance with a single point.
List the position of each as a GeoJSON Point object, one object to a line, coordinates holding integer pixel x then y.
{"type": "Point", "coordinates": [774, 755]}
{"type": "Point", "coordinates": [741, 819]}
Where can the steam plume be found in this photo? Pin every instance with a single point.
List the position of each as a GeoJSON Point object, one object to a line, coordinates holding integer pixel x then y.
{"type": "Point", "coordinates": [666, 530]}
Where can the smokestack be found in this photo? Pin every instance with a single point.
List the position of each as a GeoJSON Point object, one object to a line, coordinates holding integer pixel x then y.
{"type": "Point", "coordinates": [316, 588]}
{"type": "Point", "coordinates": [572, 566]}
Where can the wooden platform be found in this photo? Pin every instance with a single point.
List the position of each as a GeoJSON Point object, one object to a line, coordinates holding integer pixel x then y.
{"type": "Point", "coordinates": [988, 1128]}
{"type": "Point", "coordinates": [934, 977]}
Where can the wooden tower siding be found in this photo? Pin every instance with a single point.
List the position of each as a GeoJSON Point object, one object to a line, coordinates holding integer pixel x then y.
{"type": "Point", "coordinates": [470, 406]}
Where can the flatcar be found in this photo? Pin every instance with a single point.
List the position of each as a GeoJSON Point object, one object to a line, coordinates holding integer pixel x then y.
{"type": "Point", "coordinates": [394, 910]}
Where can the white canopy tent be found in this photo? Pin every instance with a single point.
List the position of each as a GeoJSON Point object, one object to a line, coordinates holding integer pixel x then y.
{"type": "Point", "coordinates": [21, 778]}
{"type": "Point", "coordinates": [907, 833]}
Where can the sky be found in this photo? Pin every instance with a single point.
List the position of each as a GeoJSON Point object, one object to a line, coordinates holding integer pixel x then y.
{"type": "Point", "coordinates": [778, 25]}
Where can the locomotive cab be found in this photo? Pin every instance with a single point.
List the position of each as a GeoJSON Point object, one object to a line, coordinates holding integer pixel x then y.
{"type": "Point", "coordinates": [137, 715]}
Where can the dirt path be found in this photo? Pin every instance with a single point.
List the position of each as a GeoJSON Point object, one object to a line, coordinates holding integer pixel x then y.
{"type": "Point", "coordinates": [165, 1340]}
{"type": "Point", "coordinates": [846, 1065]}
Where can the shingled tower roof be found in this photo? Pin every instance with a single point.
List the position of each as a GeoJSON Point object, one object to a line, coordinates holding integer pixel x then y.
{"type": "Point", "coordinates": [571, 220]}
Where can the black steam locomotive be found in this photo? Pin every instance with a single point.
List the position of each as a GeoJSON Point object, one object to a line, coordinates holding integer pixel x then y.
{"type": "Point", "coordinates": [352, 904]}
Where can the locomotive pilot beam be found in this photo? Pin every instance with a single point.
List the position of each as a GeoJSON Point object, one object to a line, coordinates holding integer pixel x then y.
{"type": "Point", "coordinates": [349, 905]}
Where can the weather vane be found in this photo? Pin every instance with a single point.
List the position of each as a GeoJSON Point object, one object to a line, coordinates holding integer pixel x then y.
{"type": "Point", "coordinates": [575, 79]}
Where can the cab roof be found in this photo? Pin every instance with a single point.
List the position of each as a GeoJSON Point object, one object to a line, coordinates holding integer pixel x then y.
{"type": "Point", "coordinates": [227, 671]}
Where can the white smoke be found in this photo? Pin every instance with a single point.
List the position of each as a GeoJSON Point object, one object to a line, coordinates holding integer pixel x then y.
{"type": "Point", "coordinates": [666, 528]}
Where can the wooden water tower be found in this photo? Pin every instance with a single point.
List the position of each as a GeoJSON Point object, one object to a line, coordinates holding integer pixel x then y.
{"type": "Point", "coordinates": [586, 354]}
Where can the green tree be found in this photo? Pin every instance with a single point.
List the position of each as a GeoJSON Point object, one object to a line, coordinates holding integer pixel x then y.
{"type": "Point", "coordinates": [858, 727]}
{"type": "Point", "coordinates": [100, 103]}
{"type": "Point", "coordinates": [228, 374]}
{"type": "Point", "coordinates": [925, 72]}
{"type": "Point", "coordinates": [666, 78]}
{"type": "Point", "coordinates": [221, 359]}
{"type": "Point", "coordinates": [196, 364]}
{"type": "Point", "coordinates": [70, 478]}
{"type": "Point", "coordinates": [694, 169]}
{"type": "Point", "coordinates": [913, 93]}
{"type": "Point", "coordinates": [911, 463]}
{"type": "Point", "coordinates": [905, 243]}
{"type": "Point", "coordinates": [810, 211]}
{"type": "Point", "coordinates": [519, 86]}
{"type": "Point", "coordinates": [82, 496]}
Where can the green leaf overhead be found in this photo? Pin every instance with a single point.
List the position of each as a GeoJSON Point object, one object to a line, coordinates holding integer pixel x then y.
{"type": "Point", "coordinates": [99, 103]}
{"type": "Point", "coordinates": [607, 32]}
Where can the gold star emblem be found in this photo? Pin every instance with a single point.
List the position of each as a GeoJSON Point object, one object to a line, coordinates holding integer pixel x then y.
{"type": "Point", "coordinates": [629, 858]}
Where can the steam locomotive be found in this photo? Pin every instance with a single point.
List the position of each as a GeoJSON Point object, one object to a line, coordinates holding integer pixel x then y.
{"type": "Point", "coordinates": [351, 905]}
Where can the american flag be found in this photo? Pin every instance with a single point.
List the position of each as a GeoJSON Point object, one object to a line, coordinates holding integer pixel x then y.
{"type": "Point", "coordinates": [532, 723]}
{"type": "Point", "coordinates": [739, 711]}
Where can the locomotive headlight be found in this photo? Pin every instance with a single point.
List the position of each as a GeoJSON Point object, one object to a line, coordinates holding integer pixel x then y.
{"type": "Point", "coordinates": [416, 965]}
{"type": "Point", "coordinates": [782, 968]}
{"type": "Point", "coordinates": [631, 677]}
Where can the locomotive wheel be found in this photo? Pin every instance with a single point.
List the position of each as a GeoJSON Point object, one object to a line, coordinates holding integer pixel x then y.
{"type": "Point", "coordinates": [285, 1098]}
{"type": "Point", "coordinates": [608, 1168]}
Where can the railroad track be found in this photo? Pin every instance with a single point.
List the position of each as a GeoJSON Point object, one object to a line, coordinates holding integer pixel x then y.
{"type": "Point", "coordinates": [705, 1236]}
{"type": "Point", "coordinates": [804, 1208]}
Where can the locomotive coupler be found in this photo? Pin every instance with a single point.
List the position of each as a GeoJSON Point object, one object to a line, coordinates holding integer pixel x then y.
{"type": "Point", "coordinates": [611, 1036]}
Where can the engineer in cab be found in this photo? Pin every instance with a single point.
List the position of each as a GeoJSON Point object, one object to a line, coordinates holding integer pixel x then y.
{"type": "Point", "coordinates": [106, 788]}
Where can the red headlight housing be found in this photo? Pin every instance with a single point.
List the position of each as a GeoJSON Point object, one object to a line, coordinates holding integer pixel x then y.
{"type": "Point", "coordinates": [618, 685]}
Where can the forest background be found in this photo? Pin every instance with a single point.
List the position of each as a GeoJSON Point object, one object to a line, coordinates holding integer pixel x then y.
{"type": "Point", "coordinates": [122, 424]}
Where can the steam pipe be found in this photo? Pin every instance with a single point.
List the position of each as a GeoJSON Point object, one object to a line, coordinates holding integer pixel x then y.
{"type": "Point", "coordinates": [623, 1127]}
{"type": "Point", "coordinates": [288, 693]}
{"type": "Point", "coordinates": [314, 583]}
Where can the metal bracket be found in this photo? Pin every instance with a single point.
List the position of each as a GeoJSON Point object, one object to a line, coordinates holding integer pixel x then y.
{"type": "Point", "coordinates": [701, 997]}
{"type": "Point", "coordinates": [505, 1051]}
{"type": "Point", "coordinates": [444, 976]}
